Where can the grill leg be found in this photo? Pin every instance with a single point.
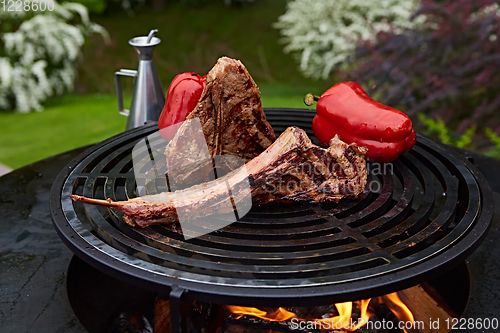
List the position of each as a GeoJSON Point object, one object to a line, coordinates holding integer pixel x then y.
{"type": "Point", "coordinates": [175, 309]}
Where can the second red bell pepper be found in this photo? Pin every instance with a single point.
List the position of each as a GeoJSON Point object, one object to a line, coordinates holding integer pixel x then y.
{"type": "Point", "coordinates": [347, 110]}
{"type": "Point", "coordinates": [182, 96]}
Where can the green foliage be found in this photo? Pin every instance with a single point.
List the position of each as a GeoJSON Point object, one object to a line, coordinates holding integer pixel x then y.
{"type": "Point", "coordinates": [106, 7]}
{"type": "Point", "coordinates": [465, 139]}
{"type": "Point", "coordinates": [322, 34]}
{"type": "Point", "coordinates": [226, 2]}
{"type": "Point", "coordinates": [437, 128]}
{"type": "Point", "coordinates": [495, 140]}
{"type": "Point", "coordinates": [238, 2]}
{"type": "Point", "coordinates": [192, 39]}
{"type": "Point", "coordinates": [93, 6]}
{"type": "Point", "coordinates": [447, 68]}
{"type": "Point", "coordinates": [39, 51]}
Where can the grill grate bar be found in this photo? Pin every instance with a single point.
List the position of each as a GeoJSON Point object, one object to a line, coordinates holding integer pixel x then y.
{"type": "Point", "coordinates": [323, 253]}
{"type": "Point", "coordinates": [297, 270]}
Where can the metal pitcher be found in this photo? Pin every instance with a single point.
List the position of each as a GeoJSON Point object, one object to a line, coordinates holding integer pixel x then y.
{"type": "Point", "coordinates": [148, 98]}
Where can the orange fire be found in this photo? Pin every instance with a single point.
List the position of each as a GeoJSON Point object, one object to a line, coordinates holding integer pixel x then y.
{"type": "Point", "coordinates": [397, 307]}
{"type": "Point", "coordinates": [278, 315]}
{"type": "Point", "coordinates": [342, 321]}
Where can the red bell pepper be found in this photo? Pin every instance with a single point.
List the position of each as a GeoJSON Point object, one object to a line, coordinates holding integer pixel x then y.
{"type": "Point", "coordinates": [347, 110]}
{"type": "Point", "coordinates": [182, 96]}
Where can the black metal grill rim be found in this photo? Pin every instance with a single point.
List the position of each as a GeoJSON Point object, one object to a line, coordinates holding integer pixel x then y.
{"type": "Point", "coordinates": [357, 287]}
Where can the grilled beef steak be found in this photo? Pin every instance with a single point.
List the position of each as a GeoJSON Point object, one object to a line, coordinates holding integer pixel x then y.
{"type": "Point", "coordinates": [291, 169]}
{"type": "Point", "coordinates": [232, 120]}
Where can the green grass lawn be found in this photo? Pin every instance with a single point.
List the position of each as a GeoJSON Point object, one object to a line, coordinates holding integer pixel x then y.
{"type": "Point", "coordinates": [74, 121]}
{"type": "Point", "coordinates": [193, 37]}
{"type": "Point", "coordinates": [67, 122]}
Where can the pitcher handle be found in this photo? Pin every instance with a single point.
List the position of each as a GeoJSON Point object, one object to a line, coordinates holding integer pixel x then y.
{"type": "Point", "coordinates": [119, 93]}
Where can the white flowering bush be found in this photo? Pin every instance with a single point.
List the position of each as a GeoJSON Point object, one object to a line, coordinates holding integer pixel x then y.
{"type": "Point", "coordinates": [38, 59]}
{"type": "Point", "coordinates": [324, 33]}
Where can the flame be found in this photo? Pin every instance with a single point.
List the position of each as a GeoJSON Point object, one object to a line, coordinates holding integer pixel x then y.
{"type": "Point", "coordinates": [397, 307]}
{"type": "Point", "coordinates": [342, 321]}
{"type": "Point", "coordinates": [278, 315]}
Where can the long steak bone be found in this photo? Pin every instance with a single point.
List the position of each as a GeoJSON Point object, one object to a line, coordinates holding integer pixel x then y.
{"type": "Point", "coordinates": [291, 169]}
{"type": "Point", "coordinates": [232, 119]}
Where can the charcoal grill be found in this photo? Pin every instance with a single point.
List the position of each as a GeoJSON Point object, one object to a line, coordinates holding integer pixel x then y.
{"type": "Point", "coordinates": [417, 220]}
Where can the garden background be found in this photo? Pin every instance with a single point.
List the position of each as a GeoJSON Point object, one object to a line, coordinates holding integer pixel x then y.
{"type": "Point", "coordinates": [438, 61]}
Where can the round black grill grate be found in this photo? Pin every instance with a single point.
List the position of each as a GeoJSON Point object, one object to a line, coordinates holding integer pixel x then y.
{"type": "Point", "coordinates": [419, 216]}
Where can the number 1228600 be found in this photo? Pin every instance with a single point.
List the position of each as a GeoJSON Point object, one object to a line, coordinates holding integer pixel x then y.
{"type": "Point", "coordinates": [26, 6]}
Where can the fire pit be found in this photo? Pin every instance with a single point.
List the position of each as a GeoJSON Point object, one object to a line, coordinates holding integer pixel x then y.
{"type": "Point", "coordinates": [421, 216]}
{"type": "Point", "coordinates": [99, 302]}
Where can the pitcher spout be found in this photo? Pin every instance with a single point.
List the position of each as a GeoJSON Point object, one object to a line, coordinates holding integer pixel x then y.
{"type": "Point", "coordinates": [148, 97]}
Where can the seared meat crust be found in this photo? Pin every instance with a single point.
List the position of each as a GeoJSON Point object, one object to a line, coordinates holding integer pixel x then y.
{"type": "Point", "coordinates": [291, 169]}
{"type": "Point", "coordinates": [233, 123]}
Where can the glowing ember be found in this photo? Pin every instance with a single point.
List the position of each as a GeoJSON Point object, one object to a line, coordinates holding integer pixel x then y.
{"type": "Point", "coordinates": [342, 321]}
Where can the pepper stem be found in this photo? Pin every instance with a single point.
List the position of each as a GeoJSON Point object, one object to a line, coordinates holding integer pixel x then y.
{"type": "Point", "coordinates": [309, 99]}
